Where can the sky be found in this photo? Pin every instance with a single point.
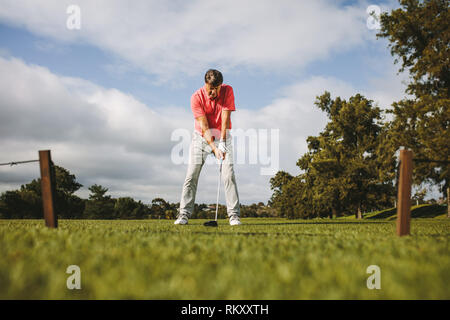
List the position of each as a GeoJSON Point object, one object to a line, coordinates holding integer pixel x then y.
{"type": "Point", "coordinates": [106, 86]}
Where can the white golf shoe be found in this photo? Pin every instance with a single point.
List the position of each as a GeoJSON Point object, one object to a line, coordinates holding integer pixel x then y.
{"type": "Point", "coordinates": [182, 219]}
{"type": "Point", "coordinates": [234, 220]}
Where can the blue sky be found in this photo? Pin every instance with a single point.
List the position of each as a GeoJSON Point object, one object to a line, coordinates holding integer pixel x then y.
{"type": "Point", "coordinates": [107, 98]}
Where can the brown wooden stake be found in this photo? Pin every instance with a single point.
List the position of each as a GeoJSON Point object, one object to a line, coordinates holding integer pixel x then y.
{"type": "Point", "coordinates": [48, 188]}
{"type": "Point", "coordinates": [404, 193]}
{"type": "Point", "coordinates": [448, 202]}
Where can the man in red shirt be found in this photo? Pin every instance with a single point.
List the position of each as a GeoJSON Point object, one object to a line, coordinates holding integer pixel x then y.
{"type": "Point", "coordinates": [212, 106]}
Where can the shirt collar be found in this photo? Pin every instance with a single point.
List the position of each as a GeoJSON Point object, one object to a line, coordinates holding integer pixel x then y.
{"type": "Point", "coordinates": [206, 94]}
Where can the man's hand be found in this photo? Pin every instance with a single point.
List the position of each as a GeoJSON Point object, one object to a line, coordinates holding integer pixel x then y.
{"type": "Point", "coordinates": [219, 154]}
{"type": "Point", "coordinates": [221, 150]}
{"type": "Point", "coordinates": [222, 147]}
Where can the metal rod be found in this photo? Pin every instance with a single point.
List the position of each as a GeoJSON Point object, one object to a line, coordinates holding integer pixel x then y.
{"type": "Point", "coordinates": [17, 162]}
{"type": "Point", "coordinates": [218, 187]}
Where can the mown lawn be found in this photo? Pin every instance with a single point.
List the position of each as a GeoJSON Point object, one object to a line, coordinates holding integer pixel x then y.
{"type": "Point", "coordinates": [262, 259]}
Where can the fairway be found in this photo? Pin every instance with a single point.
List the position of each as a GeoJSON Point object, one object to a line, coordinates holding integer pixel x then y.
{"type": "Point", "coordinates": [262, 259]}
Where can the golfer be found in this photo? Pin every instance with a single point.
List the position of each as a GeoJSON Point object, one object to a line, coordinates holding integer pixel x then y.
{"type": "Point", "coordinates": [212, 106]}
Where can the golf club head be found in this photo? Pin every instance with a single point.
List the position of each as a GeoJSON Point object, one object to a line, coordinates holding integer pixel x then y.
{"type": "Point", "coordinates": [212, 223]}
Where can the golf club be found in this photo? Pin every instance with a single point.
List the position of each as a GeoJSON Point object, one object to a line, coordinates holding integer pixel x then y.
{"type": "Point", "coordinates": [213, 223]}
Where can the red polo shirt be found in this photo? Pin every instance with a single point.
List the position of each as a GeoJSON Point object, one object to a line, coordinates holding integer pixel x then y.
{"type": "Point", "coordinates": [201, 105]}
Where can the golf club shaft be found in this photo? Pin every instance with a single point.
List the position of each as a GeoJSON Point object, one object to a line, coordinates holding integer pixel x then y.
{"type": "Point", "coordinates": [218, 188]}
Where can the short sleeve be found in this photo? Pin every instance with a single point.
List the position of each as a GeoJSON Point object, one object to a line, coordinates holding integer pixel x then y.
{"type": "Point", "coordinates": [229, 100]}
{"type": "Point", "coordinates": [196, 106]}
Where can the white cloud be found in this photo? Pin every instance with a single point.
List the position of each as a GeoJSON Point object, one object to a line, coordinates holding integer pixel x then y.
{"type": "Point", "coordinates": [166, 38]}
{"type": "Point", "coordinates": [101, 135]}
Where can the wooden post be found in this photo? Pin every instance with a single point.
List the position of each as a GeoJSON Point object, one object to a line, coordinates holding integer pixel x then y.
{"type": "Point", "coordinates": [448, 202]}
{"type": "Point", "coordinates": [404, 193]}
{"type": "Point", "coordinates": [48, 188]}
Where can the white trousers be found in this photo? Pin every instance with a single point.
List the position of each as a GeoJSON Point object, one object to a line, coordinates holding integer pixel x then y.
{"type": "Point", "coordinates": [198, 151]}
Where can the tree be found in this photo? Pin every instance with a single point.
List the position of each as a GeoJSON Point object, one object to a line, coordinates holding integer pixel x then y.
{"type": "Point", "coordinates": [344, 161]}
{"type": "Point", "coordinates": [419, 36]}
{"type": "Point", "coordinates": [67, 204]}
{"type": "Point", "coordinates": [27, 202]}
{"type": "Point", "coordinates": [20, 204]}
{"type": "Point", "coordinates": [341, 169]}
{"type": "Point", "coordinates": [159, 208]}
{"type": "Point", "coordinates": [128, 208]}
{"type": "Point", "coordinates": [99, 205]}
{"type": "Point", "coordinates": [247, 211]}
{"type": "Point", "coordinates": [419, 196]}
{"type": "Point", "coordinates": [277, 183]}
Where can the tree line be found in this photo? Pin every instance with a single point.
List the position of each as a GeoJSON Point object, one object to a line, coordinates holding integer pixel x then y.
{"type": "Point", "coordinates": [350, 167]}
{"type": "Point", "coordinates": [26, 203]}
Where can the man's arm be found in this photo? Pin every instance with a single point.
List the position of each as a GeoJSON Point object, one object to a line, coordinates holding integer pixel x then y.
{"type": "Point", "coordinates": [225, 124]}
{"type": "Point", "coordinates": [207, 135]}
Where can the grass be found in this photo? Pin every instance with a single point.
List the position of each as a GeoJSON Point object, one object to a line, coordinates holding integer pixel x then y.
{"type": "Point", "coordinates": [262, 259]}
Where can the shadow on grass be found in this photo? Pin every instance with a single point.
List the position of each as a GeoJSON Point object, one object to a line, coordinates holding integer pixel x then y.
{"type": "Point", "coordinates": [247, 234]}
{"type": "Point", "coordinates": [384, 214]}
{"type": "Point", "coordinates": [425, 211]}
{"type": "Point", "coordinates": [310, 223]}
{"type": "Point", "coordinates": [428, 211]}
